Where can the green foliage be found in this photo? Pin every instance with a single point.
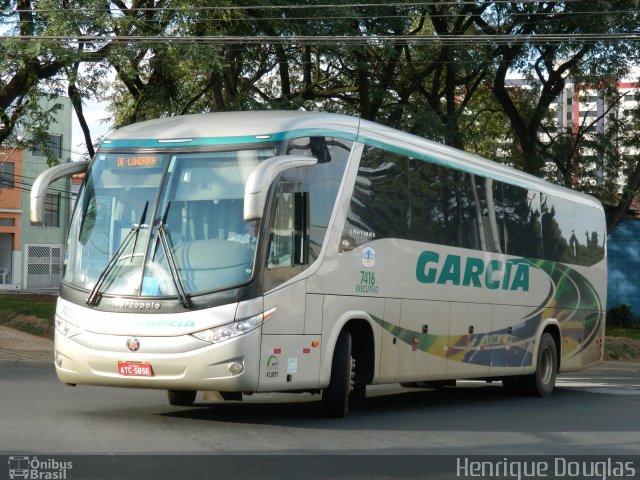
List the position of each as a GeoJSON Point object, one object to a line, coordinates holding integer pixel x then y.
{"type": "Point", "coordinates": [620, 317]}
{"type": "Point", "coordinates": [632, 332]}
{"type": "Point", "coordinates": [453, 90]}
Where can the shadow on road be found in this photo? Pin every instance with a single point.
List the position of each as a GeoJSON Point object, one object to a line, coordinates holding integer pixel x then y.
{"type": "Point", "coordinates": [486, 408]}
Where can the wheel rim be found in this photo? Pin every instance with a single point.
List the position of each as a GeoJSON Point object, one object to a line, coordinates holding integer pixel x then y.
{"type": "Point", "coordinates": [546, 366]}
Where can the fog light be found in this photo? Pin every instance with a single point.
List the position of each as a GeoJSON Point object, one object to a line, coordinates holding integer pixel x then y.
{"type": "Point", "coordinates": [236, 368]}
{"type": "Point", "coordinates": [58, 360]}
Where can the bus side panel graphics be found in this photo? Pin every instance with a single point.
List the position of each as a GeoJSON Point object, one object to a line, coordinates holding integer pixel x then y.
{"type": "Point", "coordinates": [576, 305]}
{"type": "Point", "coordinates": [572, 301]}
{"type": "Point", "coordinates": [474, 349]}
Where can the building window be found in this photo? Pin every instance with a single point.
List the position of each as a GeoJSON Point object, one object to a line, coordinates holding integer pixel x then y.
{"type": "Point", "coordinates": [6, 175]}
{"type": "Point", "coordinates": [52, 210]}
{"type": "Point", "coordinates": [54, 143]}
{"type": "Point", "coordinates": [588, 98]}
{"type": "Point", "coordinates": [7, 222]}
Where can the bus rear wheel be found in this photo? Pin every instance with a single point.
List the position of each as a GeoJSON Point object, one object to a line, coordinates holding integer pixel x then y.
{"type": "Point", "coordinates": [335, 397]}
{"type": "Point", "coordinates": [182, 398]}
{"type": "Point", "coordinates": [541, 383]}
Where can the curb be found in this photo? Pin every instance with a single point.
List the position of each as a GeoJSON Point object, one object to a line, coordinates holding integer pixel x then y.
{"type": "Point", "coordinates": [21, 346]}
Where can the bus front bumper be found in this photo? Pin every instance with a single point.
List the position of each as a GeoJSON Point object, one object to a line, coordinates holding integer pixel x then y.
{"type": "Point", "coordinates": [228, 366]}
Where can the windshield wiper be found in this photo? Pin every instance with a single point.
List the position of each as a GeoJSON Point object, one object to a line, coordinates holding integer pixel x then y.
{"type": "Point", "coordinates": [94, 295]}
{"type": "Point", "coordinates": [185, 301]}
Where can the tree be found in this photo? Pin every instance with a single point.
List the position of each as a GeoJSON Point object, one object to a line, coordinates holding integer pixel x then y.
{"type": "Point", "coordinates": [33, 66]}
{"type": "Point", "coordinates": [437, 69]}
{"type": "Point", "coordinates": [548, 63]}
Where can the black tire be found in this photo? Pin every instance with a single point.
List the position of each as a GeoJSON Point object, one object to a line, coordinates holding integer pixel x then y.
{"type": "Point", "coordinates": [335, 397]}
{"type": "Point", "coordinates": [541, 383]}
{"type": "Point", "coordinates": [182, 398]}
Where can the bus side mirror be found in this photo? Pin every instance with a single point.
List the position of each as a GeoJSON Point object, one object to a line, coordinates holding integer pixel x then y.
{"type": "Point", "coordinates": [46, 178]}
{"type": "Point", "coordinates": [258, 183]}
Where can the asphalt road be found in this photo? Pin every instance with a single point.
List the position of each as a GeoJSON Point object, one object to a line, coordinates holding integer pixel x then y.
{"type": "Point", "coordinates": [594, 412]}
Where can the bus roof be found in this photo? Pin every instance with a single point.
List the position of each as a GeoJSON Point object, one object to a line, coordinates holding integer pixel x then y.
{"type": "Point", "coordinates": [235, 125]}
{"type": "Point", "coordinates": [258, 126]}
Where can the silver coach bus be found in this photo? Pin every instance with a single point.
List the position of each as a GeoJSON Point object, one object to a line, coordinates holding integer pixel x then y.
{"type": "Point", "coordinates": [291, 251]}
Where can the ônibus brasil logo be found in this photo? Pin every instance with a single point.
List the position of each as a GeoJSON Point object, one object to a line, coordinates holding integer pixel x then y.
{"type": "Point", "coordinates": [22, 466]}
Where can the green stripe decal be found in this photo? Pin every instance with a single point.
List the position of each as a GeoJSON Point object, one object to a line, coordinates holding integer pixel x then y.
{"type": "Point", "coordinates": [218, 141]}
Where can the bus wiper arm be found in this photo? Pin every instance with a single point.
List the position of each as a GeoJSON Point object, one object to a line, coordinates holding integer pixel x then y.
{"type": "Point", "coordinates": [185, 301]}
{"type": "Point", "coordinates": [94, 295]}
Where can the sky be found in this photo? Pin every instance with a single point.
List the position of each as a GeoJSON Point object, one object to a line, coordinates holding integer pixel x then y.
{"type": "Point", "coordinates": [95, 113]}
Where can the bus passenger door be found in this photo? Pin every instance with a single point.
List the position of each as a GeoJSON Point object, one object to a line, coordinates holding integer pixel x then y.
{"type": "Point", "coordinates": [424, 330]}
{"type": "Point", "coordinates": [289, 359]}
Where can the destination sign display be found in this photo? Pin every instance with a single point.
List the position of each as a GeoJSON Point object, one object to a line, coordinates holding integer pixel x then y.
{"type": "Point", "coordinates": [137, 161]}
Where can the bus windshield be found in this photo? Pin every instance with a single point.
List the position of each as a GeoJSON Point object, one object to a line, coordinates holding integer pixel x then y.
{"type": "Point", "coordinates": [163, 224]}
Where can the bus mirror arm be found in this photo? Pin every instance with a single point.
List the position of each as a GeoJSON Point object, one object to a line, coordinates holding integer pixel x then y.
{"type": "Point", "coordinates": [46, 178]}
{"type": "Point", "coordinates": [261, 178]}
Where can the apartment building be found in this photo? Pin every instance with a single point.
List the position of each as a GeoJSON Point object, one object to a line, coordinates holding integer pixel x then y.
{"type": "Point", "coordinates": [587, 110]}
{"type": "Point", "coordinates": [31, 255]}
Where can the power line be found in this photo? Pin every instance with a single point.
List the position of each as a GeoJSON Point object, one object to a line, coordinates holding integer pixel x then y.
{"type": "Point", "coordinates": [351, 40]}
{"type": "Point", "coordinates": [548, 16]}
{"type": "Point", "coordinates": [349, 16]}
{"type": "Point", "coordinates": [25, 187]}
{"type": "Point", "coordinates": [294, 6]}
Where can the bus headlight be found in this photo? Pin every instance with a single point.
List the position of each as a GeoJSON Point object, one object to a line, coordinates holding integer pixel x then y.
{"type": "Point", "coordinates": [235, 329]}
{"type": "Point", "coordinates": [65, 328]}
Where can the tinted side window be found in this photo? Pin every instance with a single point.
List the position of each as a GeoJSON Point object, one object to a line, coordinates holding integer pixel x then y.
{"type": "Point", "coordinates": [521, 215]}
{"type": "Point", "coordinates": [558, 235]}
{"type": "Point", "coordinates": [484, 214]}
{"type": "Point", "coordinates": [434, 213]}
{"type": "Point", "coordinates": [482, 226]}
{"type": "Point", "coordinates": [396, 196]}
{"type": "Point", "coordinates": [324, 182]}
{"type": "Point", "coordinates": [463, 225]}
{"type": "Point", "coordinates": [591, 235]}
{"type": "Point", "coordinates": [380, 205]}
{"type": "Point", "coordinates": [303, 200]}
{"type": "Point", "coordinates": [572, 233]}
{"type": "Point", "coordinates": [450, 207]}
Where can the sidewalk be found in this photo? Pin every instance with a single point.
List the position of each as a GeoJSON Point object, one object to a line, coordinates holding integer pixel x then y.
{"type": "Point", "coordinates": [17, 345]}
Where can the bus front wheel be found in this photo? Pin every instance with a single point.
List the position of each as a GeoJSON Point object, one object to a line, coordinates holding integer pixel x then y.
{"type": "Point", "coordinates": [182, 398]}
{"type": "Point", "coordinates": [335, 397]}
